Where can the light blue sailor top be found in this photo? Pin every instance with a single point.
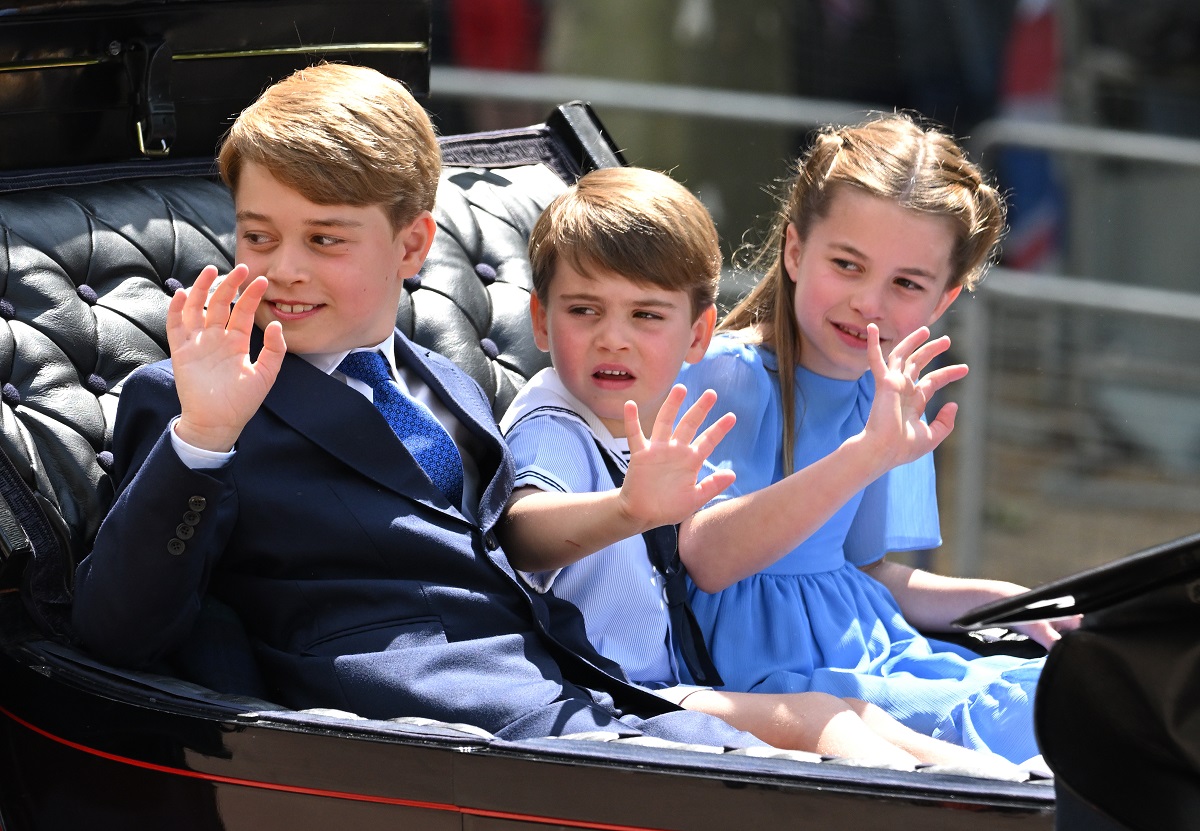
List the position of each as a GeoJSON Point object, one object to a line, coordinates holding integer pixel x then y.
{"type": "Point", "coordinates": [553, 439]}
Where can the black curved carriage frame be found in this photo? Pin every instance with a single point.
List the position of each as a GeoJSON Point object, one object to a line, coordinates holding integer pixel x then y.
{"type": "Point", "coordinates": [81, 742]}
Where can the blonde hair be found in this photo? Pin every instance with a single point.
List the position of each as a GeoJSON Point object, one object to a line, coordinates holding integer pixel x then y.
{"type": "Point", "coordinates": [892, 157]}
{"type": "Point", "coordinates": [340, 135]}
{"type": "Point", "coordinates": [635, 222]}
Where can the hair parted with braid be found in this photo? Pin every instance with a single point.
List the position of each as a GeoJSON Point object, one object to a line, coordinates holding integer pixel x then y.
{"type": "Point", "coordinates": [894, 157]}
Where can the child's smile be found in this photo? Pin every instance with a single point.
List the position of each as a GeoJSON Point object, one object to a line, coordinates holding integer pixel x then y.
{"type": "Point", "coordinates": [867, 261]}
{"type": "Point", "coordinates": [854, 336]}
{"type": "Point", "coordinates": [334, 272]}
{"type": "Point", "coordinates": [613, 340]}
{"type": "Point", "coordinates": [294, 310]}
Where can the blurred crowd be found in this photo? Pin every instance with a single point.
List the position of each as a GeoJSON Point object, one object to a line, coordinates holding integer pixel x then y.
{"type": "Point", "coordinates": [958, 62]}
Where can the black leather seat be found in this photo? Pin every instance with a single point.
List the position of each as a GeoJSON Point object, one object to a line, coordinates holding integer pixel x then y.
{"type": "Point", "coordinates": [86, 272]}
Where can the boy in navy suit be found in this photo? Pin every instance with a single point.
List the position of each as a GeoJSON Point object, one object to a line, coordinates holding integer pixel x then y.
{"type": "Point", "coordinates": [255, 467]}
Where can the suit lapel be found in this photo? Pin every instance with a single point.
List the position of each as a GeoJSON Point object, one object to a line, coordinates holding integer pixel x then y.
{"type": "Point", "coordinates": [468, 404]}
{"type": "Point", "coordinates": [345, 424]}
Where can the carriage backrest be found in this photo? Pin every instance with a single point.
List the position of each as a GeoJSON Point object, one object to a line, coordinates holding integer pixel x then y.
{"type": "Point", "coordinates": [87, 267]}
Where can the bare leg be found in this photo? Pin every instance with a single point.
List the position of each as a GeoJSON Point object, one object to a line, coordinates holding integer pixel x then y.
{"type": "Point", "coordinates": [925, 748]}
{"type": "Point", "coordinates": [815, 722]}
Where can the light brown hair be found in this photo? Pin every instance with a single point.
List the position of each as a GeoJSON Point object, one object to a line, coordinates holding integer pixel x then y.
{"type": "Point", "coordinates": [635, 222]}
{"type": "Point", "coordinates": [340, 135]}
{"type": "Point", "coordinates": [893, 157]}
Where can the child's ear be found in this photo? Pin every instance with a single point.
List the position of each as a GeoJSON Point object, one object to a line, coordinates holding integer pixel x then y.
{"type": "Point", "coordinates": [948, 297]}
{"type": "Point", "coordinates": [415, 240]}
{"type": "Point", "coordinates": [537, 315]}
{"type": "Point", "coordinates": [702, 332]}
{"type": "Point", "coordinates": [793, 248]}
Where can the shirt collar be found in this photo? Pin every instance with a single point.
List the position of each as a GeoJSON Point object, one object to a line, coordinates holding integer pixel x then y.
{"type": "Point", "coordinates": [327, 362]}
{"type": "Point", "coordinates": [545, 390]}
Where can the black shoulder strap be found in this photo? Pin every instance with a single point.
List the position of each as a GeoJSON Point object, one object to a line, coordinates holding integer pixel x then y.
{"type": "Point", "coordinates": [662, 547]}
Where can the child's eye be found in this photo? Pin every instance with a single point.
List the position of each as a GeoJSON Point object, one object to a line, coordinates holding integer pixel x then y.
{"type": "Point", "coordinates": [582, 310]}
{"type": "Point", "coordinates": [324, 240]}
{"type": "Point", "coordinates": [255, 238]}
{"type": "Point", "coordinates": [910, 285]}
{"type": "Point", "coordinates": [845, 265]}
{"type": "Point", "coordinates": [647, 316]}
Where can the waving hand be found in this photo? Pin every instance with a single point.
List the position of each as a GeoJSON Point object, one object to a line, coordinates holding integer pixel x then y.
{"type": "Point", "coordinates": [660, 486]}
{"type": "Point", "coordinates": [219, 387]}
{"type": "Point", "coordinates": [902, 394]}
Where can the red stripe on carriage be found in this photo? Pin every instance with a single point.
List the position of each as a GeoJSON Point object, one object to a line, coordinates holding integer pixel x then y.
{"type": "Point", "coordinates": [272, 786]}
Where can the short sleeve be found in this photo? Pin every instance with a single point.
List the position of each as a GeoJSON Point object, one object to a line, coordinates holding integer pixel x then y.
{"type": "Point", "coordinates": [898, 512]}
{"type": "Point", "coordinates": [555, 453]}
{"type": "Point", "coordinates": [744, 387]}
{"type": "Point", "coordinates": [552, 453]}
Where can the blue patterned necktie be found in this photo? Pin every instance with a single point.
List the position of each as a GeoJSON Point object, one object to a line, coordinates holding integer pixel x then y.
{"type": "Point", "coordinates": [421, 433]}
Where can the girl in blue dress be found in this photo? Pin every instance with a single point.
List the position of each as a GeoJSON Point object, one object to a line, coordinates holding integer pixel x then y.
{"type": "Point", "coordinates": [625, 266]}
{"type": "Point", "coordinates": [884, 225]}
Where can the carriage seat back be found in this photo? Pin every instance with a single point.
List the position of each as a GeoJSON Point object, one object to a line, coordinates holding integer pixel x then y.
{"type": "Point", "coordinates": [87, 270]}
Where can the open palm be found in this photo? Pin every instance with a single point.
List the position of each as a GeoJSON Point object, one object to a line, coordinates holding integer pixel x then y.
{"type": "Point", "coordinates": [660, 486]}
{"type": "Point", "coordinates": [219, 387]}
{"type": "Point", "coordinates": [902, 394]}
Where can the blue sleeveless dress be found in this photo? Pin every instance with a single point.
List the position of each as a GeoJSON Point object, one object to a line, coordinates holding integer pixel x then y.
{"type": "Point", "coordinates": [813, 620]}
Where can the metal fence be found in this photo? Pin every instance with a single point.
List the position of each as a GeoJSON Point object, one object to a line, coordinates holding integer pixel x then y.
{"type": "Point", "coordinates": [1062, 417]}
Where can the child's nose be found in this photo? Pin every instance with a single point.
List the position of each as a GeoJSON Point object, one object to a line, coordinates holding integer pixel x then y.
{"type": "Point", "coordinates": [867, 300]}
{"type": "Point", "coordinates": [287, 266]}
{"type": "Point", "coordinates": [612, 335]}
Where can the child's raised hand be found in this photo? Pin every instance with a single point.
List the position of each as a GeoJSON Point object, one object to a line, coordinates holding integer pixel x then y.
{"type": "Point", "coordinates": [902, 394]}
{"type": "Point", "coordinates": [660, 486]}
{"type": "Point", "coordinates": [219, 387]}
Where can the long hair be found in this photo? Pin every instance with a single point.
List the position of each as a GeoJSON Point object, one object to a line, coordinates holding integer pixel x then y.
{"type": "Point", "coordinates": [917, 167]}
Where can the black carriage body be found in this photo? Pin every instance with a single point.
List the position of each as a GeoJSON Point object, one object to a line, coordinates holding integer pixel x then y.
{"type": "Point", "coordinates": [85, 749]}
{"type": "Point", "coordinates": [94, 236]}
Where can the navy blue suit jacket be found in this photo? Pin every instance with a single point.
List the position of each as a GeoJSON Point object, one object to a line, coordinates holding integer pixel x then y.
{"type": "Point", "coordinates": [360, 586]}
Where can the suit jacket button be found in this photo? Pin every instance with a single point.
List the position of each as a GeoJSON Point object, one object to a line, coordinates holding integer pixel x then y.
{"type": "Point", "coordinates": [175, 547]}
{"type": "Point", "coordinates": [197, 503]}
{"type": "Point", "coordinates": [191, 518]}
{"type": "Point", "coordinates": [184, 532]}
{"type": "Point", "coordinates": [489, 539]}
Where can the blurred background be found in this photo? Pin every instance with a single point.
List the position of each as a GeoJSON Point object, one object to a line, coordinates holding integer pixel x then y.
{"type": "Point", "coordinates": [1078, 441]}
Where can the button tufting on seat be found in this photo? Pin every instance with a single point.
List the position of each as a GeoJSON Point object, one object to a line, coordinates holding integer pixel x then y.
{"type": "Point", "coordinates": [66, 359]}
{"type": "Point", "coordinates": [484, 218]}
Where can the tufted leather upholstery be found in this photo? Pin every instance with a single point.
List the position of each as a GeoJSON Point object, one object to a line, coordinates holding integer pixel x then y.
{"type": "Point", "coordinates": [86, 273]}
{"type": "Point", "coordinates": [471, 300]}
